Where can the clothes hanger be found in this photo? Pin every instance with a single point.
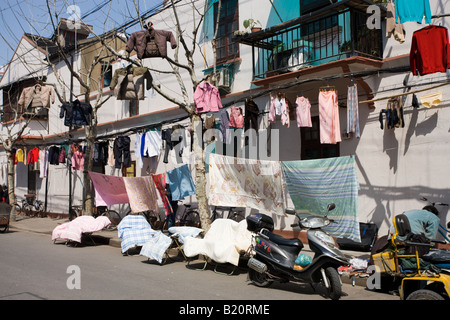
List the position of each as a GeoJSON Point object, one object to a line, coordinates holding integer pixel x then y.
{"type": "Point", "coordinates": [327, 88]}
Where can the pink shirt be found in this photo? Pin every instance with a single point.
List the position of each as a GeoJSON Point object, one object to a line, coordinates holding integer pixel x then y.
{"type": "Point", "coordinates": [207, 98]}
{"type": "Point", "coordinates": [279, 107]}
{"type": "Point", "coordinates": [78, 160]}
{"type": "Point", "coordinates": [303, 112]}
{"type": "Point", "coordinates": [330, 132]}
{"type": "Point", "coordinates": [236, 118]}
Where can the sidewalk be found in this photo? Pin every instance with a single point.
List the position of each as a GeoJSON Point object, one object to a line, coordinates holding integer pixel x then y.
{"type": "Point", "coordinates": [104, 237]}
{"type": "Point", "coordinates": [47, 225]}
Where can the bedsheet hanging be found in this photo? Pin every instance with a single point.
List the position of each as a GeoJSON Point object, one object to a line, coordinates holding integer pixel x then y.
{"type": "Point", "coordinates": [109, 190]}
{"type": "Point", "coordinates": [236, 182]}
{"type": "Point", "coordinates": [160, 183]}
{"type": "Point", "coordinates": [313, 184]}
{"type": "Point", "coordinates": [141, 194]}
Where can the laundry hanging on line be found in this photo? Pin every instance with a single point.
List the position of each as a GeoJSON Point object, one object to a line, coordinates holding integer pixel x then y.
{"type": "Point", "coordinates": [141, 193]}
{"type": "Point", "coordinates": [131, 83]}
{"type": "Point", "coordinates": [412, 10]}
{"type": "Point", "coordinates": [430, 51]}
{"type": "Point", "coordinates": [393, 115]}
{"type": "Point", "coordinates": [313, 184]}
{"type": "Point", "coordinates": [247, 183]}
{"type": "Point", "coordinates": [180, 182]}
{"type": "Point", "coordinates": [392, 26]}
{"type": "Point", "coordinates": [109, 190]}
{"type": "Point", "coordinates": [77, 113]}
{"type": "Point", "coordinates": [330, 130]}
{"type": "Point", "coordinates": [37, 96]}
{"type": "Point", "coordinates": [353, 111]}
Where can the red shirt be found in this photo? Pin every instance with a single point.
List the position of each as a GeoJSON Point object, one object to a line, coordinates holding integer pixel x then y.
{"type": "Point", "coordinates": [430, 50]}
{"type": "Point", "coordinates": [33, 156]}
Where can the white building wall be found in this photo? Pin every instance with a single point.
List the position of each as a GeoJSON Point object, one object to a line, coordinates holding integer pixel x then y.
{"type": "Point", "coordinates": [395, 167]}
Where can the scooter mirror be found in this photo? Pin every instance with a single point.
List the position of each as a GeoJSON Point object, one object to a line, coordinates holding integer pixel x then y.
{"type": "Point", "coordinates": [290, 211]}
{"type": "Point", "coordinates": [331, 206]}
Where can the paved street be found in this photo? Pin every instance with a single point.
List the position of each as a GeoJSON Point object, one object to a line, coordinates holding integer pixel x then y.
{"type": "Point", "coordinates": [32, 267]}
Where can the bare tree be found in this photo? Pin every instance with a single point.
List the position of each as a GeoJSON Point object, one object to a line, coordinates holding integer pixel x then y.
{"type": "Point", "coordinates": [188, 45]}
{"type": "Point", "coordinates": [88, 81]}
{"type": "Point", "coordinates": [15, 132]}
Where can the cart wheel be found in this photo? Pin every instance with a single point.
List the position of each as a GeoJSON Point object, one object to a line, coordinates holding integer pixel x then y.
{"type": "Point", "coordinates": [3, 228]}
{"type": "Point", "coordinates": [115, 219]}
{"type": "Point", "coordinates": [425, 295]}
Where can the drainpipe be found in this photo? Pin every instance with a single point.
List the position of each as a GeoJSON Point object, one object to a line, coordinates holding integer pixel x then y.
{"type": "Point", "coordinates": [68, 151]}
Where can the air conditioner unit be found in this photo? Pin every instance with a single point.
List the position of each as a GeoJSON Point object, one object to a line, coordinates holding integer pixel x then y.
{"type": "Point", "coordinates": [223, 78]}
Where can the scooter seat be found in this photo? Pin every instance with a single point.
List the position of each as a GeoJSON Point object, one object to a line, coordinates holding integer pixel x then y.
{"type": "Point", "coordinates": [283, 241]}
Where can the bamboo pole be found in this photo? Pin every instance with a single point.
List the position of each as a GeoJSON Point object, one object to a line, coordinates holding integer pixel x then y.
{"type": "Point", "coordinates": [404, 94]}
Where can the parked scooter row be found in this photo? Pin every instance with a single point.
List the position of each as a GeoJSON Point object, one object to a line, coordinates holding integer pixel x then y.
{"type": "Point", "coordinates": [274, 258]}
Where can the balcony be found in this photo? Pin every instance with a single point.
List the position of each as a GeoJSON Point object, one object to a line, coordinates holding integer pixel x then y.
{"type": "Point", "coordinates": [336, 32]}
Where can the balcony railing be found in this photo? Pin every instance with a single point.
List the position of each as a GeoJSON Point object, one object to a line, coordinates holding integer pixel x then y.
{"type": "Point", "coordinates": [335, 36]}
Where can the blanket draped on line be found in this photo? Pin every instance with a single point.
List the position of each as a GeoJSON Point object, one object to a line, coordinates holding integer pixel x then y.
{"type": "Point", "coordinates": [142, 194]}
{"type": "Point", "coordinates": [73, 230]}
{"type": "Point", "coordinates": [135, 231]}
{"type": "Point", "coordinates": [139, 192]}
{"type": "Point", "coordinates": [313, 184]}
{"type": "Point", "coordinates": [236, 182]}
{"type": "Point", "coordinates": [222, 243]}
{"type": "Point", "coordinates": [109, 190]}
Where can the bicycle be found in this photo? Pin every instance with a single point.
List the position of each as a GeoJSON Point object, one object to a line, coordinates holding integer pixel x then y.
{"type": "Point", "coordinates": [190, 217]}
{"type": "Point", "coordinates": [31, 206]}
{"type": "Point", "coordinates": [234, 213]}
{"type": "Point", "coordinates": [112, 215]}
{"type": "Point", "coordinates": [75, 212]}
{"type": "Point", "coordinates": [17, 206]}
{"type": "Point", "coordinates": [100, 211]}
{"type": "Point", "coordinates": [442, 230]}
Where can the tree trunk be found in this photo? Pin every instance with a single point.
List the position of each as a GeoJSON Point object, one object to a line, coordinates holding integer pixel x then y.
{"type": "Point", "coordinates": [91, 136]}
{"type": "Point", "coordinates": [200, 173]}
{"type": "Point", "coordinates": [11, 183]}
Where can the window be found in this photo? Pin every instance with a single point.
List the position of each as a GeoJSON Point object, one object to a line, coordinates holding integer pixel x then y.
{"type": "Point", "coordinates": [129, 172]}
{"type": "Point", "coordinates": [134, 108]}
{"type": "Point", "coordinates": [227, 49]}
{"type": "Point", "coordinates": [311, 146]}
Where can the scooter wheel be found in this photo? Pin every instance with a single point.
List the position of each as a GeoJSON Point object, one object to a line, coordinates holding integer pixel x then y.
{"type": "Point", "coordinates": [259, 279]}
{"type": "Point", "coordinates": [335, 289]}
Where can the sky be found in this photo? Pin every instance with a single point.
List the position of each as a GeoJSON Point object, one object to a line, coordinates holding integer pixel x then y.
{"type": "Point", "coordinates": [31, 16]}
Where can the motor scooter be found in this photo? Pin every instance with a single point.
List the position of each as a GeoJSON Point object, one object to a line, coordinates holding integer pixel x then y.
{"type": "Point", "coordinates": [273, 257]}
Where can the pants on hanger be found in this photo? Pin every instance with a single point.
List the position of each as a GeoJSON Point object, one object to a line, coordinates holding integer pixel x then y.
{"type": "Point", "coordinates": [122, 152]}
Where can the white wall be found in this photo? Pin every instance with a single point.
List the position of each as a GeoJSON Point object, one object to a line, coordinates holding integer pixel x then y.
{"type": "Point", "coordinates": [395, 167]}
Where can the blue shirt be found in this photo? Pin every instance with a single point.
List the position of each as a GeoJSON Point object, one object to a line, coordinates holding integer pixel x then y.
{"type": "Point", "coordinates": [412, 10]}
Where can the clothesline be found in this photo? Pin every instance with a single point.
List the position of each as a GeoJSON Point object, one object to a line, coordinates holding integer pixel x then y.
{"type": "Point", "coordinates": [404, 94]}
